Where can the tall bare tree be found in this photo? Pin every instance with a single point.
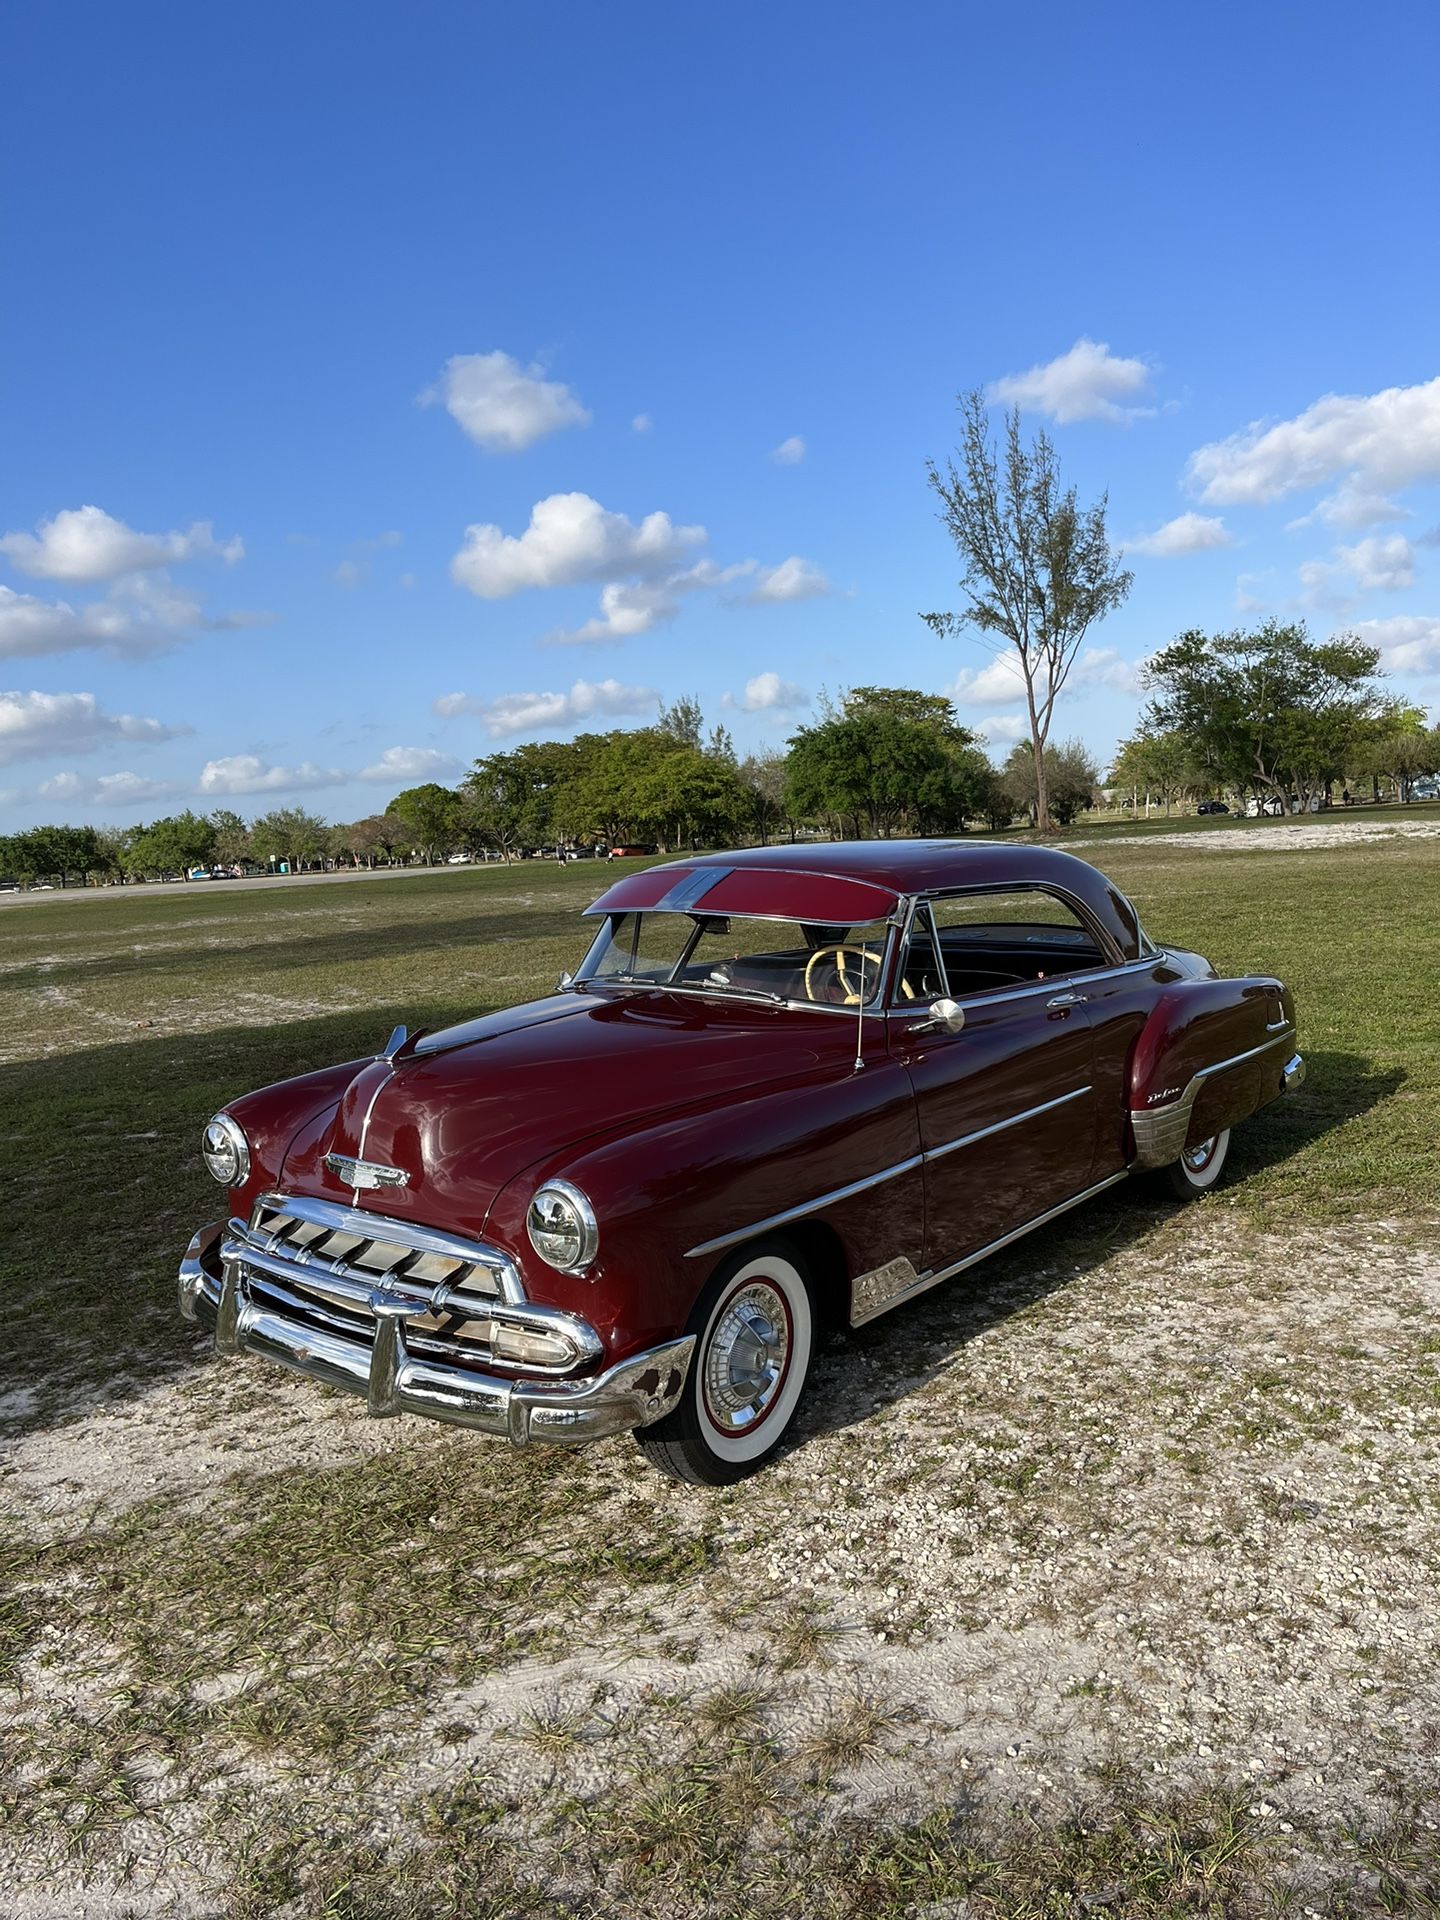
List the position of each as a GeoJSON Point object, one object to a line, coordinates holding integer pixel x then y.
{"type": "Point", "coordinates": [1038, 568]}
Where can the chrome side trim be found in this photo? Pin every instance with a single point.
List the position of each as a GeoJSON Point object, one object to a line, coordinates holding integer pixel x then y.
{"type": "Point", "coordinates": [1161, 1132]}
{"type": "Point", "coordinates": [865, 1305]}
{"type": "Point", "coordinates": [1001, 1126]}
{"type": "Point", "coordinates": [1294, 1073]}
{"type": "Point", "coordinates": [723, 1240]}
{"type": "Point", "coordinates": [994, 998]}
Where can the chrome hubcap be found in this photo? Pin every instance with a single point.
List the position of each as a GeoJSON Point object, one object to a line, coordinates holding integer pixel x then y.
{"type": "Point", "coordinates": [745, 1363]}
{"type": "Point", "coordinates": [1198, 1158]}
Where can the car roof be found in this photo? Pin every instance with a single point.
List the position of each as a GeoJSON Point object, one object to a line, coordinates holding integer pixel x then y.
{"type": "Point", "coordinates": [846, 881]}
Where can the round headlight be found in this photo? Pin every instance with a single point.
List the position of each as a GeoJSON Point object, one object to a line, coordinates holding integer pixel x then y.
{"type": "Point", "coordinates": [226, 1151]}
{"type": "Point", "coordinates": [562, 1226]}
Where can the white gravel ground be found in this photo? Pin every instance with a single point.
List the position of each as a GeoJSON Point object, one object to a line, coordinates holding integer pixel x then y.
{"type": "Point", "coordinates": [1181, 1507]}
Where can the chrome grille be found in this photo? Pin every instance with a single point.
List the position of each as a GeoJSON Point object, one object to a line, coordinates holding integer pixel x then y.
{"type": "Point", "coordinates": [331, 1268]}
{"type": "Point", "coordinates": [320, 1263]}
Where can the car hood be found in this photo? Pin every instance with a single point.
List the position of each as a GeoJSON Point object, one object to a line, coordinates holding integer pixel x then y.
{"type": "Point", "coordinates": [471, 1107]}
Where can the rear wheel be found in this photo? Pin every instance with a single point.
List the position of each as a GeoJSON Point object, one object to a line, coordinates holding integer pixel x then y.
{"type": "Point", "coordinates": [1198, 1168]}
{"type": "Point", "coordinates": [755, 1333]}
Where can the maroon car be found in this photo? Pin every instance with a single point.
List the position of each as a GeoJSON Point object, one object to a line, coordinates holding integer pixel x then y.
{"type": "Point", "coordinates": [785, 1088]}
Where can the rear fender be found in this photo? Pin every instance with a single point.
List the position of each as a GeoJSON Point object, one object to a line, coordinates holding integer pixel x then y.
{"type": "Point", "coordinates": [1211, 1053]}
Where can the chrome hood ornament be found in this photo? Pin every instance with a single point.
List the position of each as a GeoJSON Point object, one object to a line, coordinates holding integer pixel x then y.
{"type": "Point", "coordinates": [365, 1174]}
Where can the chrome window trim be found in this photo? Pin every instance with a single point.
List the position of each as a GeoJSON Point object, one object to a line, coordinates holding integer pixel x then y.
{"type": "Point", "coordinates": [913, 1011]}
{"type": "Point", "coordinates": [1117, 965]}
{"type": "Point", "coordinates": [595, 983]}
{"type": "Point", "coordinates": [724, 1240]}
{"type": "Point", "coordinates": [1003, 1126]}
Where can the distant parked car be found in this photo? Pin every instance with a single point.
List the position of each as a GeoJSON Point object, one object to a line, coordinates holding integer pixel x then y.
{"type": "Point", "coordinates": [1212, 806]}
{"type": "Point", "coordinates": [785, 1088]}
{"type": "Point", "coordinates": [630, 853]}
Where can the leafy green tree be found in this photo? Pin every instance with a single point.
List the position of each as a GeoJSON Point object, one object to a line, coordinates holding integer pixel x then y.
{"type": "Point", "coordinates": [1038, 570]}
{"type": "Point", "coordinates": [1399, 747]}
{"type": "Point", "coordinates": [53, 853]}
{"type": "Point", "coordinates": [431, 813]}
{"type": "Point", "coordinates": [1152, 762]}
{"type": "Point", "coordinates": [522, 798]}
{"type": "Point", "coordinates": [174, 844]}
{"type": "Point", "coordinates": [1071, 775]}
{"type": "Point", "coordinates": [762, 778]}
{"type": "Point", "coordinates": [682, 720]}
{"type": "Point", "coordinates": [1267, 711]}
{"type": "Point", "coordinates": [290, 834]}
{"type": "Point", "coordinates": [884, 758]}
{"type": "Point", "coordinates": [232, 837]}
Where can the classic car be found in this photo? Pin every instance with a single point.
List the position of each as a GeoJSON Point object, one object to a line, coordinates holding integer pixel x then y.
{"type": "Point", "coordinates": [785, 1090]}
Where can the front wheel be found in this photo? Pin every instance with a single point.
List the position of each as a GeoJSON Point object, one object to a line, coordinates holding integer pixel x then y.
{"type": "Point", "coordinates": [1198, 1168]}
{"type": "Point", "coordinates": [755, 1333]}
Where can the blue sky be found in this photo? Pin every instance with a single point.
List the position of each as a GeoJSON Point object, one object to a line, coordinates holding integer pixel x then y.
{"type": "Point", "coordinates": [440, 377]}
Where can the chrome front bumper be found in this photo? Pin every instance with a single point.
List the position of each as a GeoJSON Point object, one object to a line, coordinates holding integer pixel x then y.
{"type": "Point", "coordinates": [566, 1412]}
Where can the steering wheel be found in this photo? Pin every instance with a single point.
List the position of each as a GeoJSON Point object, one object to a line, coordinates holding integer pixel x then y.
{"type": "Point", "coordinates": [851, 993]}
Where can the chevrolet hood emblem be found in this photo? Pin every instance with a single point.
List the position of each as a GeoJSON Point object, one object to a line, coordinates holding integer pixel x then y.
{"type": "Point", "coordinates": [365, 1173]}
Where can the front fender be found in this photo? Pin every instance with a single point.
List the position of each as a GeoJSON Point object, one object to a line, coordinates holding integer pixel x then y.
{"type": "Point", "coordinates": [1211, 1054]}
{"type": "Point", "coordinates": [692, 1177]}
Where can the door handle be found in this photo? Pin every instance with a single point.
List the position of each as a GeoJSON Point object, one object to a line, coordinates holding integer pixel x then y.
{"type": "Point", "coordinates": [1068, 1000]}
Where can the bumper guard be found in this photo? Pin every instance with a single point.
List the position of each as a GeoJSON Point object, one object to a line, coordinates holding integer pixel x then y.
{"type": "Point", "coordinates": [392, 1380]}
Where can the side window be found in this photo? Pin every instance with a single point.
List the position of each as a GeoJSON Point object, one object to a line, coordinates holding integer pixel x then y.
{"type": "Point", "coordinates": [922, 977]}
{"type": "Point", "coordinates": [1009, 938]}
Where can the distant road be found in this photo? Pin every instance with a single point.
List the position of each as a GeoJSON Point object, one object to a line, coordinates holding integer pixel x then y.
{"type": "Point", "coordinates": [140, 889]}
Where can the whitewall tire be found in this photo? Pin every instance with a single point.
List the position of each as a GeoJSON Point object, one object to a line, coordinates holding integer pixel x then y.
{"type": "Point", "coordinates": [1199, 1167]}
{"type": "Point", "coordinates": [755, 1336]}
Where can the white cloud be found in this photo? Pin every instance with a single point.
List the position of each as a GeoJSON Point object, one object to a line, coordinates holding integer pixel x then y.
{"type": "Point", "coordinates": [1385, 564]}
{"type": "Point", "coordinates": [1408, 642]}
{"type": "Point", "coordinates": [627, 608]}
{"type": "Point", "coordinates": [350, 573]}
{"type": "Point", "coordinates": [1381, 564]}
{"type": "Point", "coordinates": [570, 538]}
{"type": "Point", "coordinates": [642, 423]}
{"type": "Point", "coordinates": [997, 685]}
{"type": "Point", "coordinates": [109, 790]}
{"type": "Point", "coordinates": [501, 405]}
{"type": "Point", "coordinates": [768, 693]}
{"type": "Point", "coordinates": [1378, 441]}
{"type": "Point", "coordinates": [790, 452]}
{"type": "Point", "coordinates": [1000, 684]}
{"type": "Point", "coordinates": [35, 724]}
{"type": "Point", "coordinates": [85, 544]}
{"type": "Point", "coordinates": [1087, 383]}
{"type": "Point", "coordinates": [1006, 728]}
{"type": "Point", "coordinates": [1104, 667]}
{"type": "Point", "coordinates": [511, 713]}
{"type": "Point", "coordinates": [412, 763]}
{"type": "Point", "coordinates": [1186, 533]}
{"type": "Point", "coordinates": [407, 580]}
{"type": "Point", "coordinates": [1352, 507]}
{"type": "Point", "coordinates": [142, 615]}
{"type": "Point", "coordinates": [793, 579]}
{"type": "Point", "coordinates": [248, 773]}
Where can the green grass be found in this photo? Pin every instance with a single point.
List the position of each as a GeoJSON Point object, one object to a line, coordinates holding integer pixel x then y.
{"type": "Point", "coordinates": [254, 1656]}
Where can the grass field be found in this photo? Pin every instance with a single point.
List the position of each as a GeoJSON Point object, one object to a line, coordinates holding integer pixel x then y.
{"type": "Point", "coordinates": [1077, 1575]}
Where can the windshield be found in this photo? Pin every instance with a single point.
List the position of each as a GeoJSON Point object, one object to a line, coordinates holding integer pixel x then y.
{"type": "Point", "coordinates": [740, 955]}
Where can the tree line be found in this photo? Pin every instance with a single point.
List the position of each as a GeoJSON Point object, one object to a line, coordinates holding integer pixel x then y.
{"type": "Point", "coordinates": [1272, 714]}
{"type": "Point", "coordinates": [1269, 712]}
{"type": "Point", "coordinates": [874, 762]}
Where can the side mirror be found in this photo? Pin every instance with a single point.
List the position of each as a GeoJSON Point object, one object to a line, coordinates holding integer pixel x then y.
{"type": "Point", "coordinates": [945, 1017]}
